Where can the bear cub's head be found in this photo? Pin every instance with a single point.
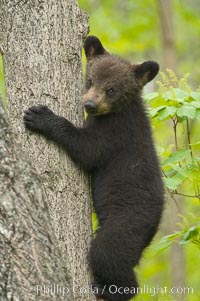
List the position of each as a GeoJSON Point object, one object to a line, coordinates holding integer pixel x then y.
{"type": "Point", "coordinates": [112, 82]}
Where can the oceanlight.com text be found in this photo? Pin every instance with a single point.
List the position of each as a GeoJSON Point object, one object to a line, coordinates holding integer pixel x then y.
{"type": "Point", "coordinates": [59, 290]}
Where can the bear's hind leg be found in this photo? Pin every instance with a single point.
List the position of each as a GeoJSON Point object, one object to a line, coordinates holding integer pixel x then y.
{"type": "Point", "coordinates": [111, 262]}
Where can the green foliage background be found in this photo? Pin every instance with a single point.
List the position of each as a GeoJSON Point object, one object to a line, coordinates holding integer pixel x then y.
{"type": "Point", "coordinates": [132, 29]}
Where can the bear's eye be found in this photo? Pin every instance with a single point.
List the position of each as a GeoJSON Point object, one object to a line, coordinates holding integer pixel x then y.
{"type": "Point", "coordinates": [89, 84]}
{"type": "Point", "coordinates": [110, 92]}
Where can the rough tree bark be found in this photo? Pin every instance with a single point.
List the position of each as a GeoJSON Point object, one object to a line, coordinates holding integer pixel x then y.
{"type": "Point", "coordinates": [29, 255]}
{"type": "Point", "coordinates": [177, 255]}
{"type": "Point", "coordinates": [41, 42]}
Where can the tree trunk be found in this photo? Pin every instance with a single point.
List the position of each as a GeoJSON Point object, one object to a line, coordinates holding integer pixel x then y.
{"type": "Point", "coordinates": [42, 41]}
{"type": "Point", "coordinates": [167, 33]}
{"type": "Point", "coordinates": [29, 255]}
{"type": "Point", "coordinates": [177, 255]}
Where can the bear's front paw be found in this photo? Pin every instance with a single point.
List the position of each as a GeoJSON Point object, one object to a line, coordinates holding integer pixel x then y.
{"type": "Point", "coordinates": [38, 118]}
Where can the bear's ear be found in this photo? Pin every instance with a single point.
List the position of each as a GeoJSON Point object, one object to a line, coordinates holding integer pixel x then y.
{"type": "Point", "coordinates": [93, 47]}
{"type": "Point", "coordinates": [146, 71]}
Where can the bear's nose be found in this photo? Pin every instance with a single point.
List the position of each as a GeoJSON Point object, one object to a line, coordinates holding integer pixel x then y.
{"type": "Point", "coordinates": [90, 106]}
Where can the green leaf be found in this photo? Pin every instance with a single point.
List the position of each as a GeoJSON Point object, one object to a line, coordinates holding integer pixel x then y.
{"type": "Point", "coordinates": [198, 114]}
{"type": "Point", "coordinates": [175, 94]}
{"type": "Point", "coordinates": [165, 242]}
{"type": "Point", "coordinates": [168, 95]}
{"type": "Point", "coordinates": [167, 113]}
{"type": "Point", "coordinates": [173, 182]}
{"type": "Point", "coordinates": [180, 95]}
{"type": "Point", "coordinates": [149, 97]}
{"type": "Point", "coordinates": [181, 171]}
{"type": "Point", "coordinates": [154, 112]}
{"type": "Point", "coordinates": [161, 247]}
{"type": "Point", "coordinates": [177, 156]}
{"type": "Point", "coordinates": [195, 104]}
{"type": "Point", "coordinates": [171, 237]}
{"type": "Point", "coordinates": [191, 233]}
{"type": "Point", "coordinates": [195, 95]}
{"type": "Point", "coordinates": [187, 111]}
{"type": "Point", "coordinates": [180, 119]}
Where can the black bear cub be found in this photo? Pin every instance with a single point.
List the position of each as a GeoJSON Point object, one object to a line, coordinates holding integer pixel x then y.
{"type": "Point", "coordinates": [115, 146]}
